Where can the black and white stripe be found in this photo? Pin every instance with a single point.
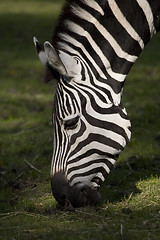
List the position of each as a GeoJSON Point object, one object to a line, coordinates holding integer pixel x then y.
{"type": "Point", "coordinates": [97, 42]}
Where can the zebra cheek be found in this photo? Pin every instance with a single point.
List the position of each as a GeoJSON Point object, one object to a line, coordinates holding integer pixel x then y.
{"type": "Point", "coordinates": [60, 188]}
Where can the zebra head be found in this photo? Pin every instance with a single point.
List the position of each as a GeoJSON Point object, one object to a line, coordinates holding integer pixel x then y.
{"type": "Point", "coordinates": [90, 129]}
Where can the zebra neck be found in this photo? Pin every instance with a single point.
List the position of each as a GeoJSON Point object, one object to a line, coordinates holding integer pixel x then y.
{"type": "Point", "coordinates": [107, 35]}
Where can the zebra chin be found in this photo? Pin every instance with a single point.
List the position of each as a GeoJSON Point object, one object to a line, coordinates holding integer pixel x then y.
{"type": "Point", "coordinates": [77, 197]}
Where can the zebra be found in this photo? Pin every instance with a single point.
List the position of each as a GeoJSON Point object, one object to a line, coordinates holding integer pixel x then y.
{"type": "Point", "coordinates": [94, 46]}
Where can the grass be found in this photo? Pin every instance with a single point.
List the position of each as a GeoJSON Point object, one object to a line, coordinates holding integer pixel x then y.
{"type": "Point", "coordinates": [130, 207]}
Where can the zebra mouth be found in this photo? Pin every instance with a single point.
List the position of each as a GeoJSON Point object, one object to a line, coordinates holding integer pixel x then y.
{"type": "Point", "coordinates": [77, 197]}
{"type": "Point", "coordinates": [85, 196]}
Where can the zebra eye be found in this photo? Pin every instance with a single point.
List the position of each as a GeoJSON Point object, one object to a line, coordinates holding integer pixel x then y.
{"type": "Point", "coordinates": [71, 123]}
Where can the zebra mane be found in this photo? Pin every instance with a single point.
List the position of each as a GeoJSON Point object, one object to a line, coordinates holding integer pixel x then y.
{"type": "Point", "coordinates": [67, 14]}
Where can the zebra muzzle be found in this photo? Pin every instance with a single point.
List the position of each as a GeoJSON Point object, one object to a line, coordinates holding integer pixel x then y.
{"type": "Point", "coordinates": [77, 197]}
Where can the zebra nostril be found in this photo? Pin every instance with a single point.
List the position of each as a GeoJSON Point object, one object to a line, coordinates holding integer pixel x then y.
{"type": "Point", "coordinates": [97, 180]}
{"type": "Point", "coordinates": [88, 196]}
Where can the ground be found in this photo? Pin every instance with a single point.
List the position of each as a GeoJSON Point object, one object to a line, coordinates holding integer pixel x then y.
{"type": "Point", "coordinates": [130, 206]}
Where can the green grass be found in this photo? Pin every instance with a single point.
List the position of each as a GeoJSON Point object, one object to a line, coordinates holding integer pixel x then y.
{"type": "Point", "coordinates": [130, 207]}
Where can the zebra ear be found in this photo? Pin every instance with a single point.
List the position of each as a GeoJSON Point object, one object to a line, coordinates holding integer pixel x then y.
{"type": "Point", "coordinates": [40, 51]}
{"type": "Point", "coordinates": [72, 65]}
{"type": "Point", "coordinates": [49, 72]}
{"type": "Point", "coordinates": [64, 63]}
{"type": "Point", "coordinates": [53, 59]}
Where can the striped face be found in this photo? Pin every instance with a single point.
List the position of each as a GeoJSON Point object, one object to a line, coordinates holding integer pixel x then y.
{"type": "Point", "coordinates": [89, 133]}
{"type": "Point", "coordinates": [90, 129]}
